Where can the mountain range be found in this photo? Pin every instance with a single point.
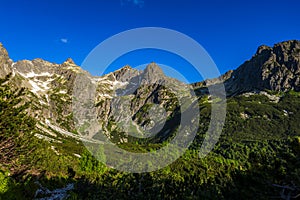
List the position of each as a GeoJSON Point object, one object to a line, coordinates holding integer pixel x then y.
{"type": "Point", "coordinates": [258, 92]}
{"type": "Point", "coordinates": [51, 86]}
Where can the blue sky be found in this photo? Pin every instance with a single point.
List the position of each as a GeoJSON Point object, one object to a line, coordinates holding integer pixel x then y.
{"type": "Point", "coordinates": [229, 30]}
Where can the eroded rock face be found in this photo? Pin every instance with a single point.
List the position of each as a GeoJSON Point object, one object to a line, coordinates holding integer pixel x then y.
{"type": "Point", "coordinates": [274, 68]}
{"type": "Point", "coordinates": [5, 62]}
{"type": "Point", "coordinates": [133, 97]}
{"type": "Point", "coordinates": [49, 86]}
{"type": "Point", "coordinates": [213, 81]}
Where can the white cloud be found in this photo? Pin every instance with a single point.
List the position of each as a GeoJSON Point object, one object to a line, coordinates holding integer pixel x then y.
{"type": "Point", "coordinates": [64, 40]}
{"type": "Point", "coordinates": [139, 3]}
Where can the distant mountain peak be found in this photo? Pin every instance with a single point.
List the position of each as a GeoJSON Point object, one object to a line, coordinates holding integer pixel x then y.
{"type": "Point", "coordinates": [273, 68]}
{"type": "Point", "coordinates": [289, 43]}
{"type": "Point", "coordinates": [126, 67]}
{"type": "Point", "coordinates": [153, 70]}
{"type": "Point", "coordinates": [3, 51]}
{"type": "Point", "coordinates": [123, 69]}
{"type": "Point", "coordinates": [125, 73]}
{"type": "Point", "coordinates": [262, 48]}
{"type": "Point", "coordinates": [5, 62]}
{"type": "Point", "coordinates": [69, 61]}
{"type": "Point", "coordinates": [153, 67]}
{"type": "Point", "coordinates": [152, 74]}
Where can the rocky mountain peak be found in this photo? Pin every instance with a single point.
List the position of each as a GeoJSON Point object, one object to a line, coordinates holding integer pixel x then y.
{"type": "Point", "coordinates": [262, 48]}
{"type": "Point", "coordinates": [273, 68]}
{"type": "Point", "coordinates": [3, 51]}
{"type": "Point", "coordinates": [69, 61]}
{"type": "Point", "coordinates": [288, 45]}
{"type": "Point", "coordinates": [5, 62]}
{"type": "Point", "coordinates": [123, 69]}
{"type": "Point", "coordinates": [126, 67]}
{"type": "Point", "coordinates": [153, 69]}
{"type": "Point", "coordinates": [125, 74]}
{"type": "Point", "coordinates": [152, 73]}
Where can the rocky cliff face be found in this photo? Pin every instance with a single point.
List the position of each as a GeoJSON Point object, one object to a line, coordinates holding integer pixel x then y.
{"type": "Point", "coordinates": [5, 62]}
{"type": "Point", "coordinates": [271, 68]}
{"type": "Point", "coordinates": [131, 98]}
{"type": "Point", "coordinates": [49, 87]}
{"type": "Point", "coordinates": [276, 68]}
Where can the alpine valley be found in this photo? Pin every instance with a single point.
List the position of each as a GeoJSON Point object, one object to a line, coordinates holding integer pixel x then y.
{"type": "Point", "coordinates": [42, 150]}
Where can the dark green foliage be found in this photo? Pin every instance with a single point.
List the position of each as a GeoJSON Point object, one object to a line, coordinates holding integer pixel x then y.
{"type": "Point", "coordinates": [23, 156]}
{"type": "Point", "coordinates": [91, 165]}
{"type": "Point", "coordinates": [15, 124]}
{"type": "Point", "coordinates": [244, 170]}
{"type": "Point", "coordinates": [265, 119]}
